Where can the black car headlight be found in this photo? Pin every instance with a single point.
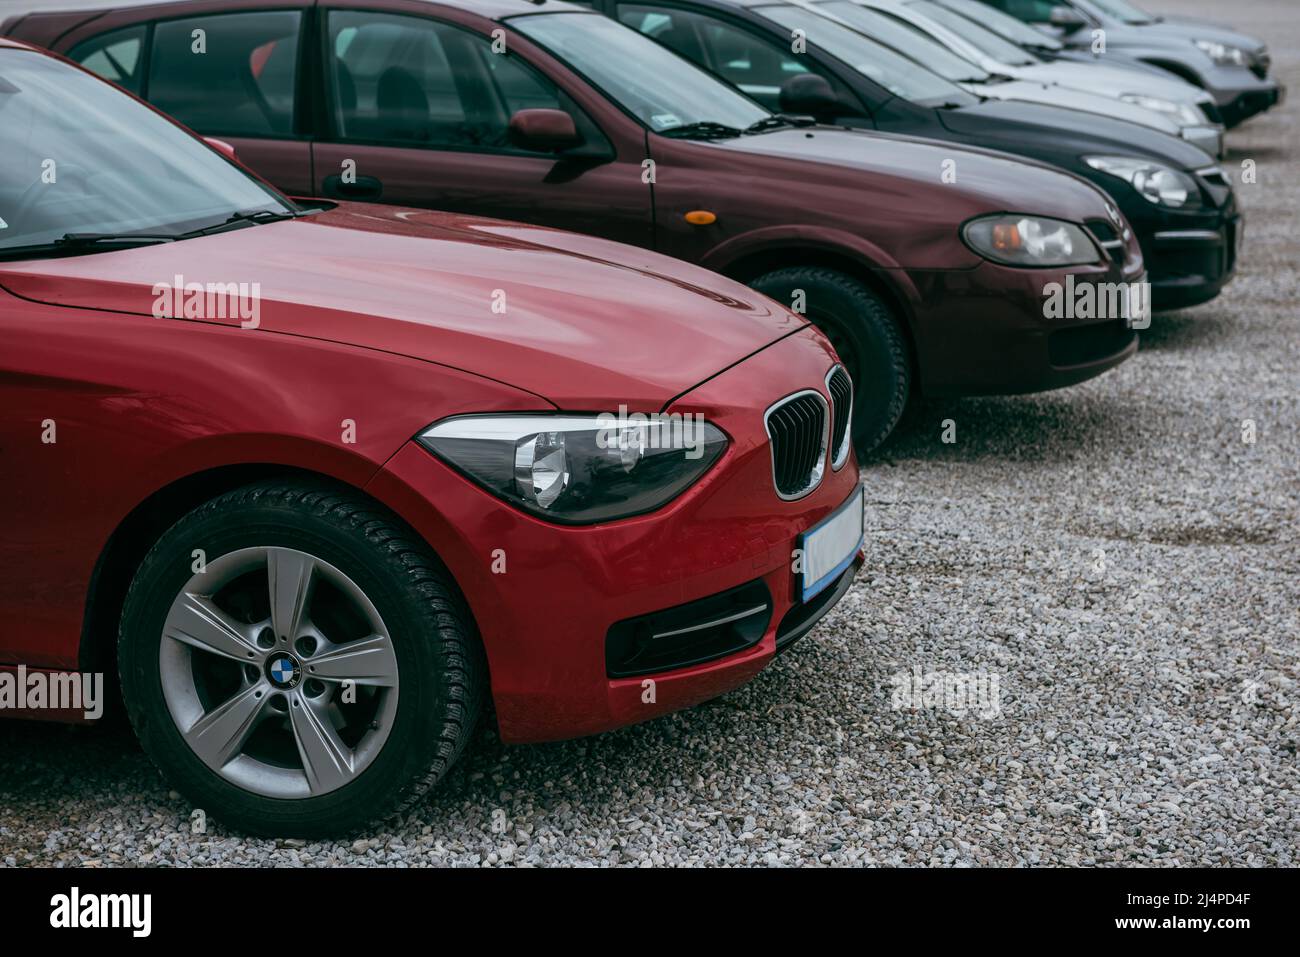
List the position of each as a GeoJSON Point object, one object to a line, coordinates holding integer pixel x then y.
{"type": "Point", "coordinates": [579, 469]}
{"type": "Point", "coordinates": [1154, 182]}
{"type": "Point", "coordinates": [1016, 240]}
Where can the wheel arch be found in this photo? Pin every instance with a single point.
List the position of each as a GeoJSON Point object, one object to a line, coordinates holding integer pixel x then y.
{"type": "Point", "coordinates": [141, 528]}
{"type": "Point", "coordinates": [1181, 70]}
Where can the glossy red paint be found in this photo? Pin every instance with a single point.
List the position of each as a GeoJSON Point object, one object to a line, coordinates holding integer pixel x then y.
{"type": "Point", "coordinates": [381, 317]}
{"type": "Point", "coordinates": [546, 651]}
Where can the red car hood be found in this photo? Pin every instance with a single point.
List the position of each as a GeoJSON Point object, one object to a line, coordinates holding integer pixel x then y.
{"type": "Point", "coordinates": [583, 322]}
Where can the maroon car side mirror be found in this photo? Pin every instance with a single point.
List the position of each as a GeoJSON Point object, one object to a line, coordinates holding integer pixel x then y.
{"type": "Point", "coordinates": [546, 131]}
{"type": "Point", "coordinates": [221, 146]}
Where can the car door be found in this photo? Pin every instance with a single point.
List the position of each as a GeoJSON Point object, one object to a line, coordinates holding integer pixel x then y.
{"type": "Point", "coordinates": [232, 76]}
{"type": "Point", "coordinates": [418, 114]}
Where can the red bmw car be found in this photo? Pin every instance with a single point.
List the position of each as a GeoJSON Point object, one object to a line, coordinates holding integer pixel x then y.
{"type": "Point", "coordinates": [318, 480]}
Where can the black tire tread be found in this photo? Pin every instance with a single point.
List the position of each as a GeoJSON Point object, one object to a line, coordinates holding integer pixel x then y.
{"type": "Point", "coordinates": [871, 309]}
{"type": "Point", "coordinates": [449, 622]}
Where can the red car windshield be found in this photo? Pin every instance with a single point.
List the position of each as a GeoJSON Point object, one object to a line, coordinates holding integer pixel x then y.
{"type": "Point", "coordinates": [84, 159]}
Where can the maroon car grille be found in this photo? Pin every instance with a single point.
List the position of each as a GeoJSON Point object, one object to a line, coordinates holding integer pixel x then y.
{"type": "Point", "coordinates": [797, 430]}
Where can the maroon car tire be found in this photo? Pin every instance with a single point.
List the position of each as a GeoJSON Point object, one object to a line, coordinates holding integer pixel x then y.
{"type": "Point", "coordinates": [867, 337]}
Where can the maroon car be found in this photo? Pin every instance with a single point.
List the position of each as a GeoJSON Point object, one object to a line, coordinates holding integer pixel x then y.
{"type": "Point", "coordinates": [925, 264]}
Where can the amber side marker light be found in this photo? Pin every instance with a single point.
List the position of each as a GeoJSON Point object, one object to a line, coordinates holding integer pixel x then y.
{"type": "Point", "coordinates": [701, 217]}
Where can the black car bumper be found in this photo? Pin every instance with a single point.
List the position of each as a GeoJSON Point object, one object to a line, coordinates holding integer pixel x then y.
{"type": "Point", "coordinates": [1250, 103]}
{"type": "Point", "coordinates": [1191, 266]}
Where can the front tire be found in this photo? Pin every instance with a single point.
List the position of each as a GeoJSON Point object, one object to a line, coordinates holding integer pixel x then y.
{"type": "Point", "coordinates": [867, 337]}
{"type": "Point", "coordinates": [296, 662]}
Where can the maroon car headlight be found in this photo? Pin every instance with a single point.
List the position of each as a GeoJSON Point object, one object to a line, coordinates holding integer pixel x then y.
{"type": "Point", "coordinates": [579, 469]}
{"type": "Point", "coordinates": [1034, 241]}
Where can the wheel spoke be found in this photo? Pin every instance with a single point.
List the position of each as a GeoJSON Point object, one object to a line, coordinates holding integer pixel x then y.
{"type": "Point", "coordinates": [289, 576]}
{"type": "Point", "coordinates": [219, 735]}
{"type": "Point", "coordinates": [326, 760]}
{"type": "Point", "coordinates": [196, 621]}
{"type": "Point", "coordinates": [369, 661]}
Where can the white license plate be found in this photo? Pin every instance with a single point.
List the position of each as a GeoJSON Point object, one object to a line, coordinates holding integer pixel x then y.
{"type": "Point", "coordinates": [830, 546]}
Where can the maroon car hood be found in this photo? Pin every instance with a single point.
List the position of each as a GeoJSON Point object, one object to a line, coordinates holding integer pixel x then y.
{"type": "Point", "coordinates": [583, 322]}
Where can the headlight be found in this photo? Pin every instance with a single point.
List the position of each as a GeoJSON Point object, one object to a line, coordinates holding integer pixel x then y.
{"type": "Point", "coordinates": [1223, 54]}
{"type": "Point", "coordinates": [1029, 241]}
{"type": "Point", "coordinates": [1184, 114]}
{"type": "Point", "coordinates": [1159, 184]}
{"type": "Point", "coordinates": [578, 469]}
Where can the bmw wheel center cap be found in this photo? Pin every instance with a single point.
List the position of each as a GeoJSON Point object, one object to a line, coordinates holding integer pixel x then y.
{"type": "Point", "coordinates": [283, 671]}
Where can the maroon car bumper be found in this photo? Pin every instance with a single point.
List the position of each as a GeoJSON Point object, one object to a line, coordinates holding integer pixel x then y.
{"type": "Point", "coordinates": [987, 330]}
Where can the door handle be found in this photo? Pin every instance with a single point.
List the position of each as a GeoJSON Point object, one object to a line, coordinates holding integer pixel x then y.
{"type": "Point", "coordinates": [365, 187]}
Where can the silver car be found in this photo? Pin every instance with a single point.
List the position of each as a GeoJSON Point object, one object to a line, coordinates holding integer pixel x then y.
{"type": "Point", "coordinates": [1135, 94]}
{"type": "Point", "coordinates": [1231, 66]}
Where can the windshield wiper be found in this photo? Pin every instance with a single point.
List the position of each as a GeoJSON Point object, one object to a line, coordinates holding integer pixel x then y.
{"type": "Point", "coordinates": [78, 242]}
{"type": "Point", "coordinates": [778, 121]}
{"type": "Point", "coordinates": [704, 129]}
{"type": "Point", "coordinates": [240, 219]}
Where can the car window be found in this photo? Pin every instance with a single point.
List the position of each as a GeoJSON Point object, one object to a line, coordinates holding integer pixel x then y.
{"type": "Point", "coordinates": [1005, 26]}
{"type": "Point", "coordinates": [986, 41]}
{"type": "Point", "coordinates": [895, 72]}
{"type": "Point", "coordinates": [116, 56]}
{"type": "Point", "coordinates": [911, 43]}
{"type": "Point", "coordinates": [647, 80]}
{"type": "Point", "coordinates": [756, 65]}
{"type": "Point", "coordinates": [411, 80]}
{"type": "Point", "coordinates": [82, 157]}
{"type": "Point", "coordinates": [228, 74]}
{"type": "Point", "coordinates": [1032, 11]}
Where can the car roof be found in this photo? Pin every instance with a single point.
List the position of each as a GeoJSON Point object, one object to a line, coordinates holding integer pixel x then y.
{"type": "Point", "coordinates": [493, 9]}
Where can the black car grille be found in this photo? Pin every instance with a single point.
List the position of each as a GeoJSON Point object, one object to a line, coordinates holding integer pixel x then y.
{"type": "Point", "coordinates": [797, 429]}
{"type": "Point", "coordinates": [840, 386]}
{"type": "Point", "coordinates": [1211, 111]}
{"type": "Point", "coordinates": [1260, 61]}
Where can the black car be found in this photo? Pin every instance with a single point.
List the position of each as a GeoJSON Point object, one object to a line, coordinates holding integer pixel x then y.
{"type": "Point", "coordinates": [824, 59]}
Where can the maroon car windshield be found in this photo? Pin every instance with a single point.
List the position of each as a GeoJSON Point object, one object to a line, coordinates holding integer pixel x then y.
{"type": "Point", "coordinates": [652, 83]}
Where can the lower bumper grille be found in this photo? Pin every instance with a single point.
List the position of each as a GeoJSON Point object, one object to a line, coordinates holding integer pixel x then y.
{"type": "Point", "coordinates": [1086, 344]}
{"type": "Point", "coordinates": [689, 634]}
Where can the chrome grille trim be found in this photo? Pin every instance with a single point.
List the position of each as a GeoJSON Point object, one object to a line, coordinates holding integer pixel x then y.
{"type": "Point", "coordinates": [841, 395]}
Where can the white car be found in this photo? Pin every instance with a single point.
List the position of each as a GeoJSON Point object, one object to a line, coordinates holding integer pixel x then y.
{"type": "Point", "coordinates": [1163, 102]}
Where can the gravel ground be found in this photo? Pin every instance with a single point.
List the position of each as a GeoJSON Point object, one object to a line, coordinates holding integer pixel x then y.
{"type": "Point", "coordinates": [1114, 556]}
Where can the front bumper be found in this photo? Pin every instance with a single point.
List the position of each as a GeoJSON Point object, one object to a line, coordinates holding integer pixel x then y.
{"type": "Point", "coordinates": [545, 616]}
{"type": "Point", "coordinates": [1240, 94]}
{"type": "Point", "coordinates": [1190, 255]}
{"type": "Point", "coordinates": [1191, 266]}
{"type": "Point", "coordinates": [985, 331]}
